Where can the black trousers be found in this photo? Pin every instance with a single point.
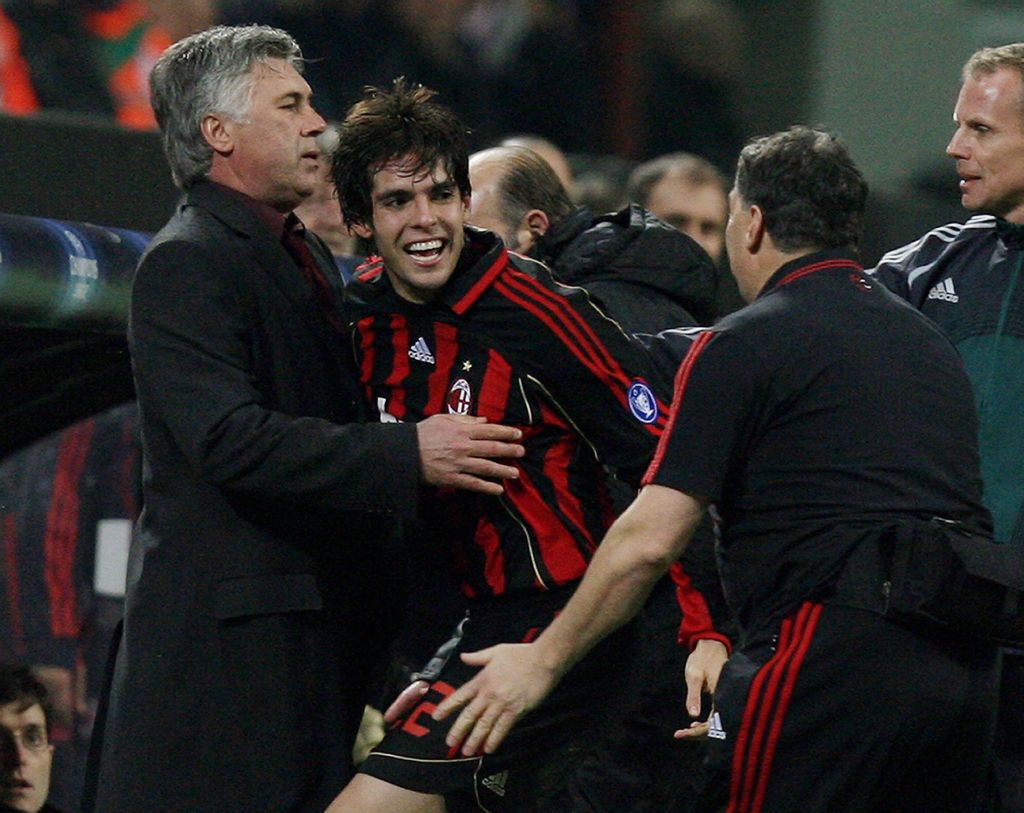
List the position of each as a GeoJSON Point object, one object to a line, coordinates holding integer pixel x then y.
{"type": "Point", "coordinates": [842, 711]}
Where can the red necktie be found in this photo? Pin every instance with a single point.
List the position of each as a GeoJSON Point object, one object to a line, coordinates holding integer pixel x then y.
{"type": "Point", "coordinates": [295, 243]}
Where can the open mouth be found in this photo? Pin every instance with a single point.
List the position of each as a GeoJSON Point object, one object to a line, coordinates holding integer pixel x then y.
{"type": "Point", "coordinates": [426, 252]}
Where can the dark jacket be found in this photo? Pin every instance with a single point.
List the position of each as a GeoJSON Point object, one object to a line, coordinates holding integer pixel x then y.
{"type": "Point", "coordinates": [968, 278]}
{"type": "Point", "coordinates": [255, 580]}
{"type": "Point", "coordinates": [647, 275]}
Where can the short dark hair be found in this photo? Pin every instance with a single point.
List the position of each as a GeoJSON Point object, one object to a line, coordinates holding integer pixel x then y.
{"type": "Point", "coordinates": [388, 125]}
{"type": "Point", "coordinates": [19, 685]}
{"type": "Point", "coordinates": [528, 182]}
{"type": "Point", "coordinates": [691, 168]}
{"type": "Point", "coordinates": [808, 187]}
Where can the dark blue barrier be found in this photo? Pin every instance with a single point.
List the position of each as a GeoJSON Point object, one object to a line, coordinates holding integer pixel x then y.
{"type": "Point", "coordinates": [59, 274]}
{"type": "Point", "coordinates": [64, 290]}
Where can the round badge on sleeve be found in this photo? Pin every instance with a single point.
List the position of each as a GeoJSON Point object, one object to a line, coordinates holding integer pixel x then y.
{"type": "Point", "coordinates": [642, 403]}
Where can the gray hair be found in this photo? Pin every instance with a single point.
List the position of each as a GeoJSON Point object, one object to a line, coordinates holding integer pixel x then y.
{"type": "Point", "coordinates": [210, 72]}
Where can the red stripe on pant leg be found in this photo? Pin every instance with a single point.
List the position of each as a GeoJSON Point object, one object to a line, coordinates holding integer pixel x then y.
{"type": "Point", "coordinates": [745, 763]}
{"type": "Point", "coordinates": [747, 721]}
{"type": "Point", "coordinates": [748, 761]}
{"type": "Point", "coordinates": [787, 693]}
{"type": "Point", "coordinates": [757, 764]}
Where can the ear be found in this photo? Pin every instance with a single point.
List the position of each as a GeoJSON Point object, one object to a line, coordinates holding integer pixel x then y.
{"type": "Point", "coordinates": [533, 226]}
{"type": "Point", "coordinates": [755, 233]}
{"type": "Point", "coordinates": [219, 133]}
{"type": "Point", "coordinates": [362, 230]}
{"type": "Point", "coordinates": [537, 223]}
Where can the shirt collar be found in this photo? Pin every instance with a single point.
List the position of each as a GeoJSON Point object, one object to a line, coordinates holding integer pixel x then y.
{"type": "Point", "coordinates": [827, 260]}
{"type": "Point", "coordinates": [265, 213]}
{"type": "Point", "coordinates": [1012, 234]}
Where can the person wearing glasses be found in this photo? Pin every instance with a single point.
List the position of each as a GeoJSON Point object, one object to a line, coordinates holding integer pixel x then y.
{"type": "Point", "coordinates": [25, 748]}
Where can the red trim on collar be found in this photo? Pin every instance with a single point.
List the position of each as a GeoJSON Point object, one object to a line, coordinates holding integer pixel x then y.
{"type": "Point", "coordinates": [824, 265]}
{"type": "Point", "coordinates": [482, 284]}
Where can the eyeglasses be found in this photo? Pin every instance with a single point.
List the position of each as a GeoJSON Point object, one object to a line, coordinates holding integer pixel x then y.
{"type": "Point", "coordinates": [32, 738]}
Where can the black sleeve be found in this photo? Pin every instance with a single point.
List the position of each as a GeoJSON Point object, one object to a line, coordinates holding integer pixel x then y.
{"type": "Point", "coordinates": [191, 340]}
{"type": "Point", "coordinates": [589, 369]}
{"type": "Point", "coordinates": [713, 408]}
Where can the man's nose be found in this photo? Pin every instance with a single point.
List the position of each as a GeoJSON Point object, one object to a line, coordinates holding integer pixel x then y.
{"type": "Point", "coordinates": [315, 123]}
{"type": "Point", "coordinates": [424, 211]}
{"type": "Point", "coordinates": [956, 147]}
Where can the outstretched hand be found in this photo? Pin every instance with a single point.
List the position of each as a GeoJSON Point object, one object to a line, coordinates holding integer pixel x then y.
{"type": "Point", "coordinates": [512, 682]}
{"type": "Point", "coordinates": [703, 667]}
{"type": "Point", "coordinates": [460, 451]}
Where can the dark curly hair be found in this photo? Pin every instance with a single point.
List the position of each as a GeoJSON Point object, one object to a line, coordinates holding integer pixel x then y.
{"type": "Point", "coordinates": [808, 187]}
{"type": "Point", "coordinates": [388, 125]}
{"type": "Point", "coordinates": [19, 685]}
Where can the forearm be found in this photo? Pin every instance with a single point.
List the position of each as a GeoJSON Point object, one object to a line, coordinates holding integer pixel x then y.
{"type": "Point", "coordinates": [636, 552]}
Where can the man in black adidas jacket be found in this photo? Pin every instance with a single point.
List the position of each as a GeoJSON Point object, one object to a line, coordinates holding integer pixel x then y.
{"type": "Point", "coordinates": [969, 279]}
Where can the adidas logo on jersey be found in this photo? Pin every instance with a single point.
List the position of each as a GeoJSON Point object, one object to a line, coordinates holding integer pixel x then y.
{"type": "Point", "coordinates": [715, 730]}
{"type": "Point", "coordinates": [496, 782]}
{"type": "Point", "coordinates": [420, 352]}
{"type": "Point", "coordinates": [944, 291]}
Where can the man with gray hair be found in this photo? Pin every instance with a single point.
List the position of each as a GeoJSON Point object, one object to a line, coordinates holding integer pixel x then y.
{"type": "Point", "coordinates": [968, 278]}
{"type": "Point", "coordinates": [257, 596]}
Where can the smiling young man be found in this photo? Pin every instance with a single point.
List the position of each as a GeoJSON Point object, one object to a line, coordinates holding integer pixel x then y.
{"type": "Point", "coordinates": [968, 278]}
{"type": "Point", "coordinates": [447, 321]}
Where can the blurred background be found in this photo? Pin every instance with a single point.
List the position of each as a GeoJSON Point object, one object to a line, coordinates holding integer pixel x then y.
{"type": "Point", "coordinates": [611, 83]}
{"type": "Point", "coordinates": [83, 184]}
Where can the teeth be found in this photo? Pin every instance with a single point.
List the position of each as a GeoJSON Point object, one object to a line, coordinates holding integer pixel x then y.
{"type": "Point", "coordinates": [426, 245]}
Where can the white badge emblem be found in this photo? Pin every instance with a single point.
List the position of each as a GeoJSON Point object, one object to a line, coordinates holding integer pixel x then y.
{"type": "Point", "coordinates": [642, 403]}
{"type": "Point", "coordinates": [459, 398]}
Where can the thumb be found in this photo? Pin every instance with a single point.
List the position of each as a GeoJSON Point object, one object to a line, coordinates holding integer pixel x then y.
{"type": "Point", "coordinates": [479, 658]}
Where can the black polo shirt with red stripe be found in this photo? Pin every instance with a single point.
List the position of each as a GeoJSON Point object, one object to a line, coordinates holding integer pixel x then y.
{"type": "Point", "coordinates": [824, 407]}
{"type": "Point", "coordinates": [505, 341]}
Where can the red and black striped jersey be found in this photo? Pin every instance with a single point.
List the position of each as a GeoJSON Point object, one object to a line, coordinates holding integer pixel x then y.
{"type": "Point", "coordinates": [505, 341]}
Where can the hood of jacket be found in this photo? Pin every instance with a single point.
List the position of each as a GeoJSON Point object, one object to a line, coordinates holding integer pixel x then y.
{"type": "Point", "coordinates": [634, 248]}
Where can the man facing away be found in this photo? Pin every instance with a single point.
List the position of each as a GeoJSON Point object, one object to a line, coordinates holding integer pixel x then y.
{"type": "Point", "coordinates": [257, 590]}
{"type": "Point", "coordinates": [828, 423]}
{"type": "Point", "coordinates": [448, 321]}
{"type": "Point", "coordinates": [968, 278]}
